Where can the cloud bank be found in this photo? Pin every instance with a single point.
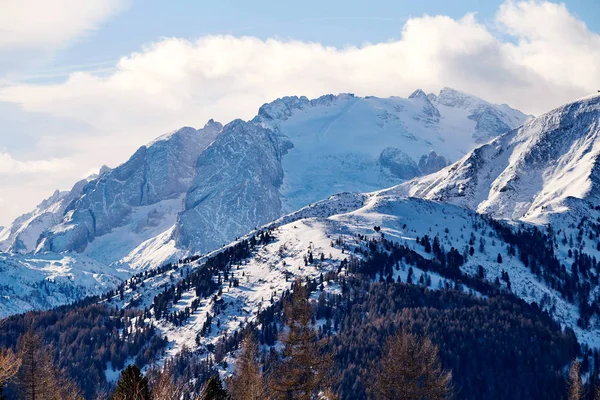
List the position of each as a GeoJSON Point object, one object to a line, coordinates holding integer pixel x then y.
{"type": "Point", "coordinates": [32, 30]}
{"type": "Point", "coordinates": [535, 56]}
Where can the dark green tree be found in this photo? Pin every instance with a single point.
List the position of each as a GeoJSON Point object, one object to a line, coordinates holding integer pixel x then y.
{"type": "Point", "coordinates": [213, 390]}
{"type": "Point", "coordinates": [132, 385]}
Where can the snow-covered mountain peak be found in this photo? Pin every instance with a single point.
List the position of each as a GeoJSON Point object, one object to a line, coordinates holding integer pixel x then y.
{"type": "Point", "coordinates": [284, 107]}
{"type": "Point", "coordinates": [210, 129]}
{"type": "Point", "coordinates": [453, 98]}
{"type": "Point", "coordinates": [530, 173]}
{"type": "Point", "coordinates": [418, 94]}
{"type": "Point", "coordinates": [143, 195]}
{"type": "Point", "coordinates": [281, 109]}
{"type": "Point", "coordinates": [212, 124]}
{"type": "Point", "coordinates": [297, 151]}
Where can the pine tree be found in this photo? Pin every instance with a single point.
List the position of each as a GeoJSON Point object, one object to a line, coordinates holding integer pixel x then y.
{"type": "Point", "coordinates": [410, 369]}
{"type": "Point", "coordinates": [132, 385]}
{"type": "Point", "coordinates": [213, 390]}
{"type": "Point", "coordinates": [303, 370]}
{"type": "Point", "coordinates": [248, 382]}
{"type": "Point", "coordinates": [574, 382]}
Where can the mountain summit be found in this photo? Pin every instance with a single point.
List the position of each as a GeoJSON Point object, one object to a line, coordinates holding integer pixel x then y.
{"type": "Point", "coordinates": [547, 167]}
{"type": "Point", "coordinates": [297, 151]}
{"type": "Point", "coordinates": [192, 191]}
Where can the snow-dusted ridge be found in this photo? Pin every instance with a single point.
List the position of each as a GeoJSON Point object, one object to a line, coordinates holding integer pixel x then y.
{"type": "Point", "coordinates": [297, 151]}
{"type": "Point", "coordinates": [537, 173]}
{"type": "Point", "coordinates": [193, 191]}
{"type": "Point", "coordinates": [273, 266]}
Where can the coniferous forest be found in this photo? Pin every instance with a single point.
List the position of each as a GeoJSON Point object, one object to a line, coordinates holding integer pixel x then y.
{"type": "Point", "coordinates": [480, 339]}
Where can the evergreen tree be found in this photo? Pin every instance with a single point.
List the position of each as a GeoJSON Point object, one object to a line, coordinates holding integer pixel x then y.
{"type": "Point", "coordinates": [213, 390]}
{"type": "Point", "coordinates": [132, 385]}
{"type": "Point", "coordinates": [302, 371]}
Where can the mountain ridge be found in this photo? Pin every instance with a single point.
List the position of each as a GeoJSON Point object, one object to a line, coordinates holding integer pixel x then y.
{"type": "Point", "coordinates": [529, 173]}
{"type": "Point", "coordinates": [192, 191]}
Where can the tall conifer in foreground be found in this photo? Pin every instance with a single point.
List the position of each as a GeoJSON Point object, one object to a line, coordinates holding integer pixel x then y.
{"type": "Point", "coordinates": [303, 369]}
{"type": "Point", "coordinates": [132, 385]}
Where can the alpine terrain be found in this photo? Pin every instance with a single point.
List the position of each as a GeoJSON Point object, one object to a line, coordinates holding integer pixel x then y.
{"type": "Point", "coordinates": [227, 180]}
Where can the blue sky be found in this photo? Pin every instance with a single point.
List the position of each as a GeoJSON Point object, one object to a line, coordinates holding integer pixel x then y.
{"type": "Point", "coordinates": [85, 83]}
{"type": "Point", "coordinates": [332, 22]}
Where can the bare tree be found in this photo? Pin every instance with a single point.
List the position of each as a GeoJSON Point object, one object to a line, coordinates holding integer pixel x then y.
{"type": "Point", "coordinates": [164, 386]}
{"type": "Point", "coordinates": [303, 370]}
{"type": "Point", "coordinates": [574, 383]}
{"type": "Point", "coordinates": [409, 369]}
{"type": "Point", "coordinates": [248, 382]}
{"type": "Point", "coordinates": [9, 366]}
{"type": "Point", "coordinates": [37, 377]}
{"type": "Point", "coordinates": [64, 387]}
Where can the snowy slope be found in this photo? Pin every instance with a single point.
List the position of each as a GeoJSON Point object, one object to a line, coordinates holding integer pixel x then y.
{"type": "Point", "coordinates": [22, 235]}
{"type": "Point", "coordinates": [196, 190]}
{"type": "Point", "coordinates": [535, 173]}
{"type": "Point", "coordinates": [43, 281]}
{"type": "Point", "coordinates": [320, 228]}
{"type": "Point", "coordinates": [297, 151]}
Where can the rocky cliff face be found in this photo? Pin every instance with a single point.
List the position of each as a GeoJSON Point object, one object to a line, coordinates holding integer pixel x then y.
{"type": "Point", "coordinates": [432, 162]}
{"type": "Point", "coordinates": [297, 151]}
{"type": "Point", "coordinates": [236, 187]}
{"type": "Point", "coordinates": [162, 170]}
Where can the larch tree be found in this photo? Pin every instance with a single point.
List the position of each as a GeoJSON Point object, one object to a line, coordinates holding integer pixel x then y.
{"type": "Point", "coordinates": [164, 386]}
{"type": "Point", "coordinates": [9, 366]}
{"type": "Point", "coordinates": [35, 376]}
{"type": "Point", "coordinates": [409, 369]}
{"type": "Point", "coordinates": [247, 383]}
{"type": "Point", "coordinates": [575, 386]}
{"type": "Point", "coordinates": [303, 370]}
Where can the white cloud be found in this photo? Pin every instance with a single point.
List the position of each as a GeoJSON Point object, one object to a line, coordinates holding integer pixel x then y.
{"type": "Point", "coordinates": [11, 167]}
{"type": "Point", "coordinates": [538, 56]}
{"type": "Point", "coordinates": [32, 30]}
{"type": "Point", "coordinates": [50, 22]}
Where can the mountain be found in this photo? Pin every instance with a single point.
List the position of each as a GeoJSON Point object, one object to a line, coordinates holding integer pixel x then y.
{"type": "Point", "coordinates": [39, 282]}
{"type": "Point", "coordinates": [424, 261]}
{"type": "Point", "coordinates": [22, 235]}
{"type": "Point", "coordinates": [297, 151]}
{"type": "Point", "coordinates": [543, 172]}
{"type": "Point", "coordinates": [490, 120]}
{"type": "Point", "coordinates": [133, 202]}
{"type": "Point", "coordinates": [193, 191]}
